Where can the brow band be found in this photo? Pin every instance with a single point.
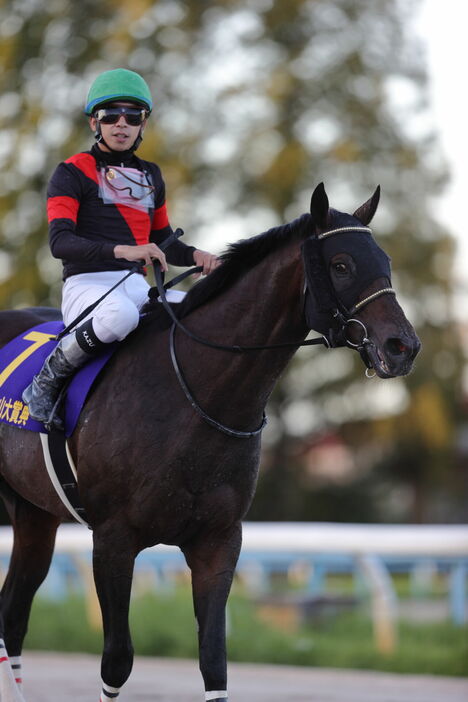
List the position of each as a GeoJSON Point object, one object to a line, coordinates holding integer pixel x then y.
{"type": "Point", "coordinates": [344, 229]}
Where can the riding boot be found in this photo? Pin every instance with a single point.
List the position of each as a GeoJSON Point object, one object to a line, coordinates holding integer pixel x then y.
{"type": "Point", "coordinates": [72, 352]}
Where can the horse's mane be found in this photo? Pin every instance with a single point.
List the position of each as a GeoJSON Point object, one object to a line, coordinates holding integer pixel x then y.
{"type": "Point", "coordinates": [239, 258]}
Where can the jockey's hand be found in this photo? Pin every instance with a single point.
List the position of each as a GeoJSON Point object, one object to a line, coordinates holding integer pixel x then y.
{"type": "Point", "coordinates": [207, 260]}
{"type": "Point", "coordinates": [141, 252]}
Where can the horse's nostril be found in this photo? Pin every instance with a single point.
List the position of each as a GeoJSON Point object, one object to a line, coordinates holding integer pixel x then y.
{"type": "Point", "coordinates": [396, 347]}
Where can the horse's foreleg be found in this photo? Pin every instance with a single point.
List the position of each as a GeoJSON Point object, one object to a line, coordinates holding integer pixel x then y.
{"type": "Point", "coordinates": [34, 537]}
{"type": "Point", "coordinates": [113, 561]}
{"type": "Point", "coordinates": [212, 559]}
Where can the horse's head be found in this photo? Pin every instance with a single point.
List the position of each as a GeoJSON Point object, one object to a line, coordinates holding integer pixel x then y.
{"type": "Point", "coordinates": [349, 298]}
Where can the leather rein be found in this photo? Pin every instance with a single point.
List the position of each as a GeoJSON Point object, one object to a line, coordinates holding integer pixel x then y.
{"type": "Point", "coordinates": [345, 321]}
{"type": "Point", "coordinates": [176, 323]}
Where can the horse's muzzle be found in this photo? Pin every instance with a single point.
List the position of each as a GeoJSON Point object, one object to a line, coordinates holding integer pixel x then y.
{"type": "Point", "coordinates": [395, 357]}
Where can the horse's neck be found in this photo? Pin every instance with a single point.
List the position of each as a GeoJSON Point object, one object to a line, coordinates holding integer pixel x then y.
{"type": "Point", "coordinates": [264, 307]}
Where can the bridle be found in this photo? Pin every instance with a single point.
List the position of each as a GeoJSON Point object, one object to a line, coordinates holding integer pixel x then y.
{"type": "Point", "coordinates": [340, 314]}
{"type": "Point", "coordinates": [383, 291]}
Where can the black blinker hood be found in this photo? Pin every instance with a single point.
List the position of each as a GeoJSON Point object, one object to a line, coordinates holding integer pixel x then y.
{"type": "Point", "coordinates": [320, 300]}
{"type": "Point", "coordinates": [325, 309]}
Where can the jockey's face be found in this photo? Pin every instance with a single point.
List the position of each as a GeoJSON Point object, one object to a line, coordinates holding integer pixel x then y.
{"type": "Point", "coordinates": [119, 136]}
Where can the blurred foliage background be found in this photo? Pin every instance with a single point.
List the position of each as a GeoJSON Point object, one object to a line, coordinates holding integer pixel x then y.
{"type": "Point", "coordinates": [256, 101]}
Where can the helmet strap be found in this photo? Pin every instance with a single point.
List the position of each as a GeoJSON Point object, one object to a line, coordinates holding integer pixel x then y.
{"type": "Point", "coordinates": [98, 135]}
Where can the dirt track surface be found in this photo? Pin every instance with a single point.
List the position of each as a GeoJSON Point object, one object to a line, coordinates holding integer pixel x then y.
{"type": "Point", "coordinates": [50, 676]}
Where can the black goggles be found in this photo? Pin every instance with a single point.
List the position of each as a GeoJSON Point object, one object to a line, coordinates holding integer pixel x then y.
{"type": "Point", "coordinates": [134, 116]}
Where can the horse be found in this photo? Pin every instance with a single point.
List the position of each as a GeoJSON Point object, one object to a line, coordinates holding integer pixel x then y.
{"type": "Point", "coordinates": [167, 447]}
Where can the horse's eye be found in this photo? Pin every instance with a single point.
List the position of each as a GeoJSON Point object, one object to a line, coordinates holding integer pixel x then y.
{"type": "Point", "coordinates": [340, 268]}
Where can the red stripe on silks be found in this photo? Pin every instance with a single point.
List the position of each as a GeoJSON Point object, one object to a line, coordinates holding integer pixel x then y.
{"type": "Point", "coordinates": [3, 659]}
{"type": "Point", "coordinates": [18, 680]}
{"type": "Point", "coordinates": [138, 222]}
{"type": "Point", "coordinates": [62, 207]}
{"type": "Point", "coordinates": [86, 164]}
{"type": "Point", "coordinates": [160, 218]}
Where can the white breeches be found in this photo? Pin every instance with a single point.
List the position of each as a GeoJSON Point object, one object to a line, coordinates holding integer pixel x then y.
{"type": "Point", "coordinates": [118, 314]}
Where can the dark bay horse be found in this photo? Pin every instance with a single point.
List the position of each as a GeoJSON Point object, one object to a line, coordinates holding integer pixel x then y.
{"type": "Point", "coordinates": [150, 468]}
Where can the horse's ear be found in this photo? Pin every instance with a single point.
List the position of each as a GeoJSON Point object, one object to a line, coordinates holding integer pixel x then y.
{"type": "Point", "coordinates": [319, 207]}
{"type": "Point", "coordinates": [367, 210]}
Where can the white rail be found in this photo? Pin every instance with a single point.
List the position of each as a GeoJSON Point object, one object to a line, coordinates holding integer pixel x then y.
{"type": "Point", "coordinates": [377, 539]}
{"type": "Point", "coordinates": [308, 537]}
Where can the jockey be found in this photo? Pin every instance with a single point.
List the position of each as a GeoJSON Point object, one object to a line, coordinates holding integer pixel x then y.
{"type": "Point", "coordinates": [107, 213]}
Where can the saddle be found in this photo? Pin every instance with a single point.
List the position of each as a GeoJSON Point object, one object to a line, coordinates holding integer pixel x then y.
{"type": "Point", "coordinates": [22, 358]}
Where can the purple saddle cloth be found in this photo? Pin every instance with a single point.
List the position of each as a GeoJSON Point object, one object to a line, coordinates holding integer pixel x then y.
{"type": "Point", "coordinates": [22, 358]}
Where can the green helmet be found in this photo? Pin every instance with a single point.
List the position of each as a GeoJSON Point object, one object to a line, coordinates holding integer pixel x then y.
{"type": "Point", "coordinates": [118, 84]}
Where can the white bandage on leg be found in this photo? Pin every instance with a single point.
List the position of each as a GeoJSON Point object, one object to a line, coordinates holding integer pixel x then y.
{"type": "Point", "coordinates": [9, 689]}
{"type": "Point", "coordinates": [215, 695]}
{"type": "Point", "coordinates": [109, 693]}
{"type": "Point", "coordinates": [16, 666]}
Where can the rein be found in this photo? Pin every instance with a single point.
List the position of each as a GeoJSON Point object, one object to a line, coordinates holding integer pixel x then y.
{"type": "Point", "coordinates": [236, 348]}
{"type": "Point", "coordinates": [213, 422]}
{"type": "Point", "coordinates": [176, 323]}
